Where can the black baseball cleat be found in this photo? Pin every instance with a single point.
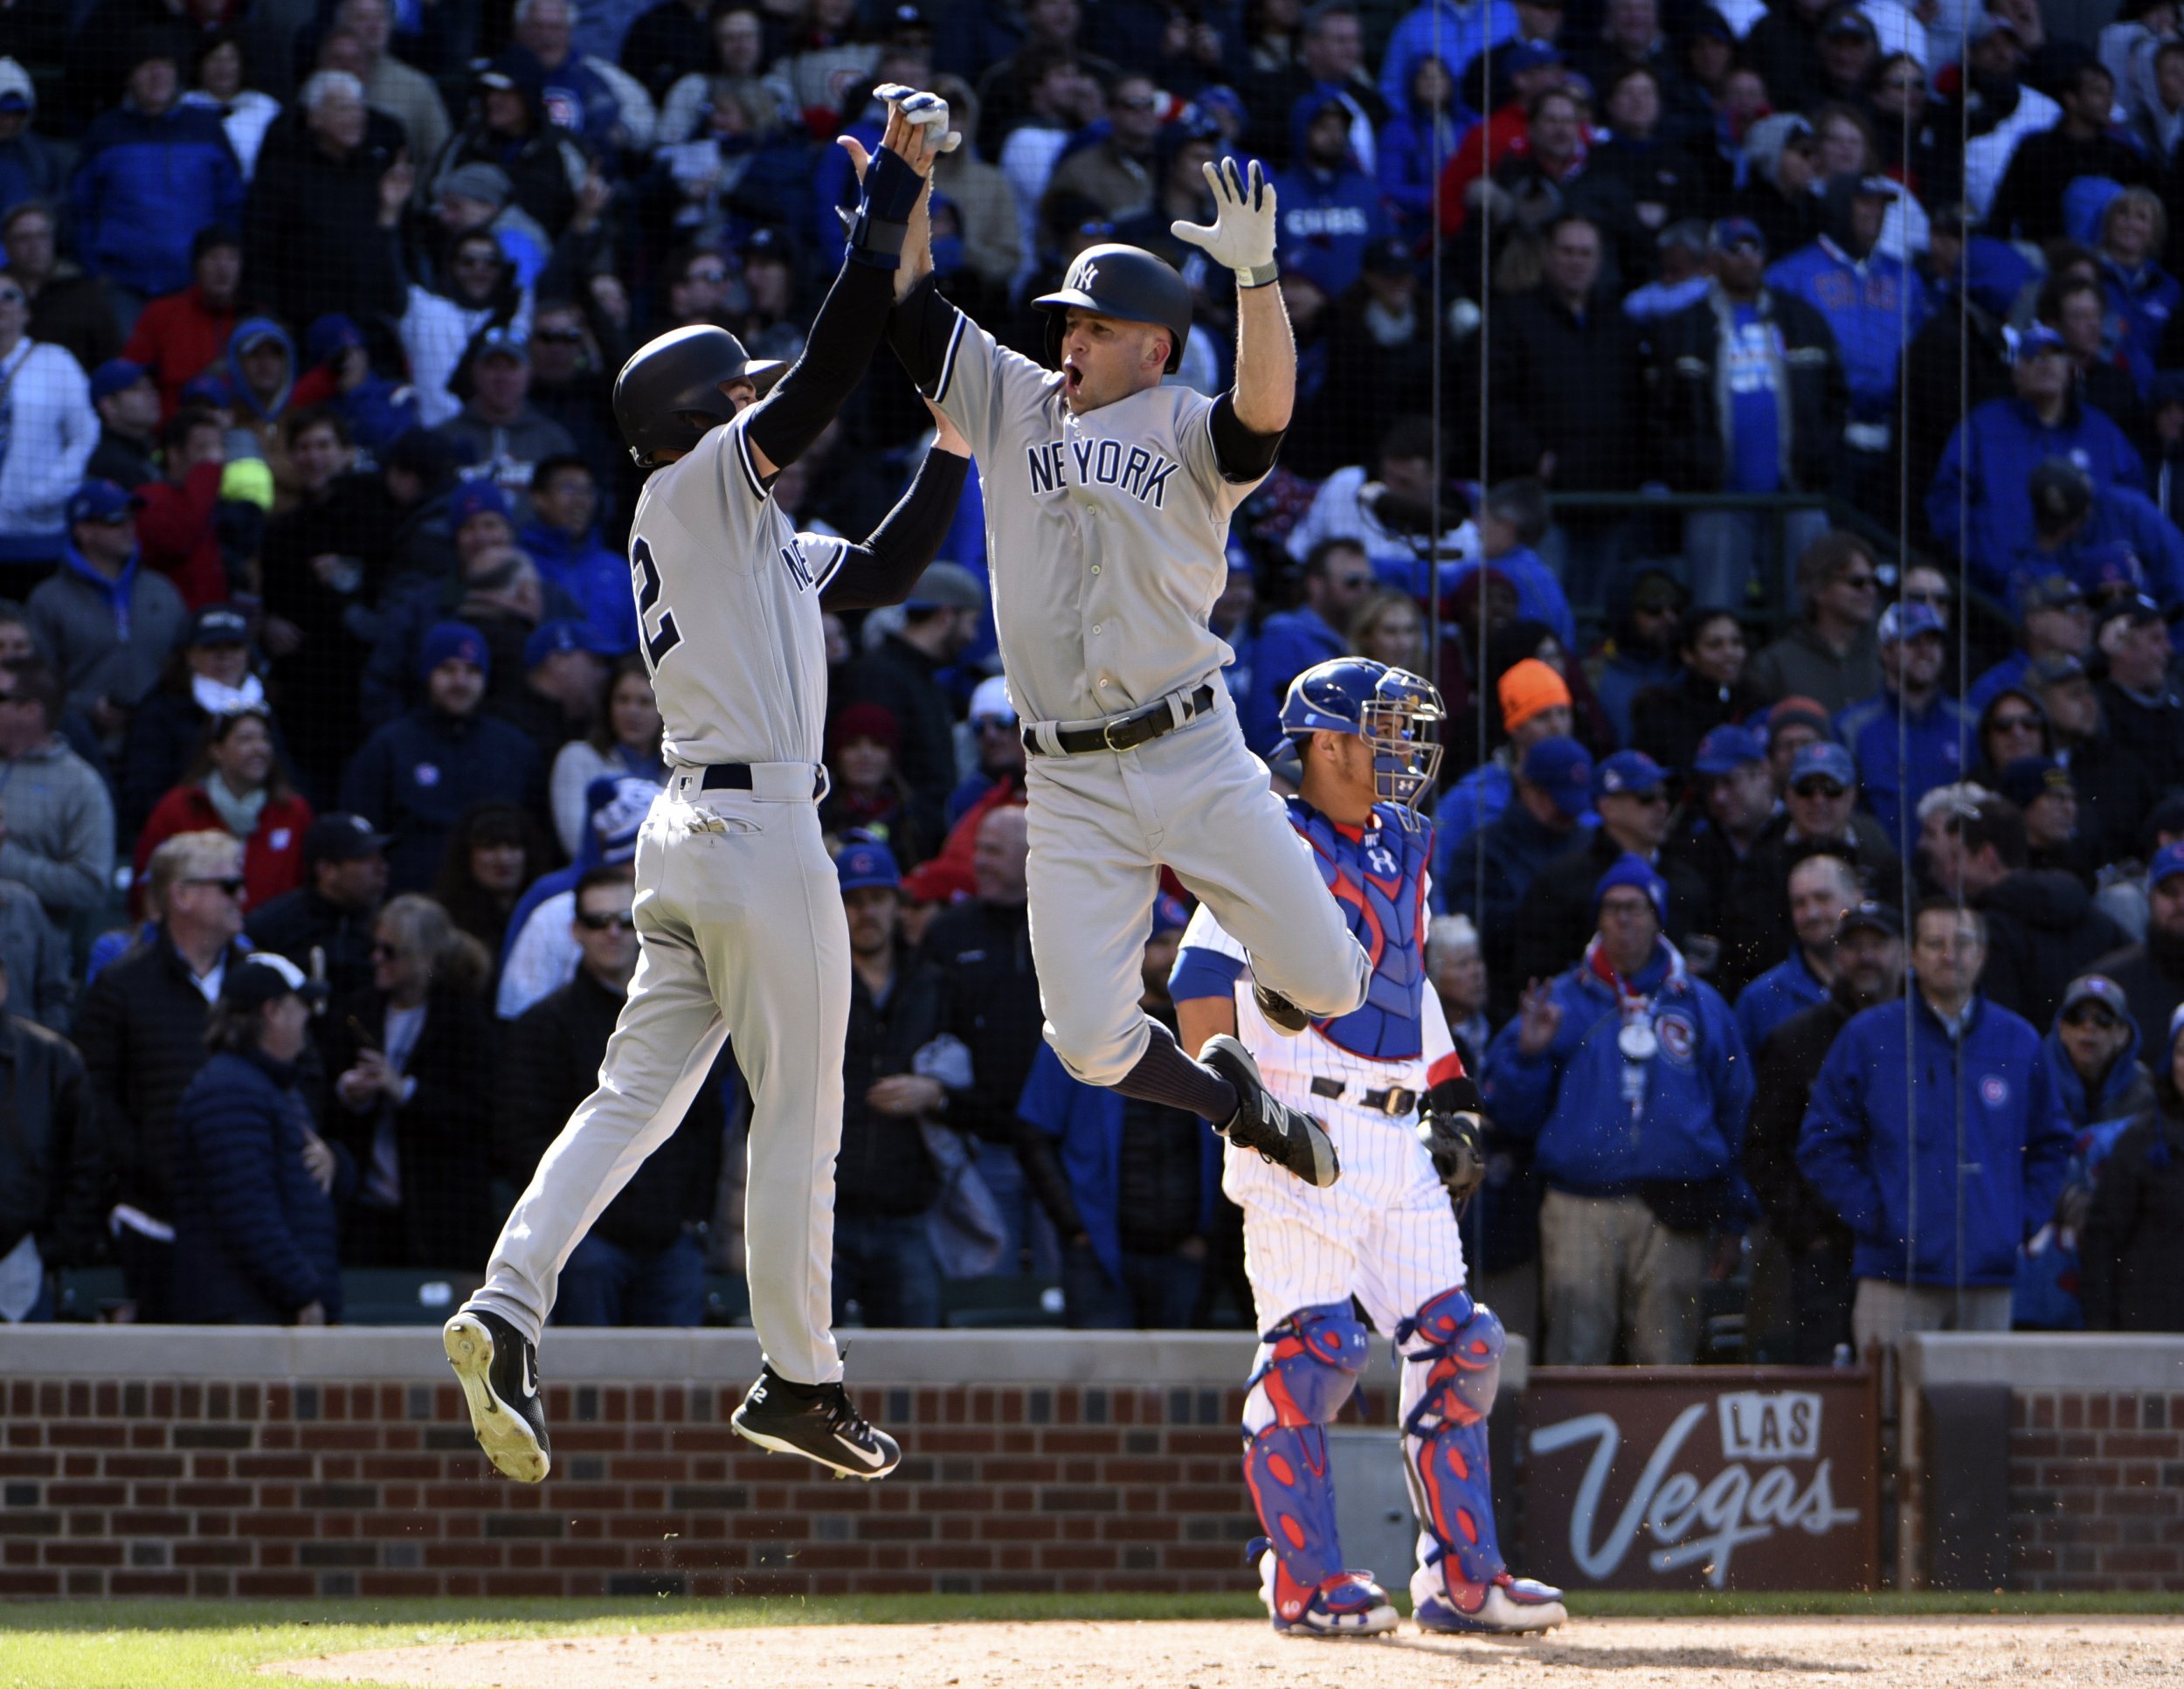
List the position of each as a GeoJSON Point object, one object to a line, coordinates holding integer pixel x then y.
{"type": "Point", "coordinates": [818, 1422]}
{"type": "Point", "coordinates": [1279, 1012]}
{"type": "Point", "coordinates": [1287, 1137]}
{"type": "Point", "coordinates": [498, 1370]}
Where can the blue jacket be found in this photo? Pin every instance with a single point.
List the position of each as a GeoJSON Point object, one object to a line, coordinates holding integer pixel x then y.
{"type": "Point", "coordinates": [1623, 676]}
{"type": "Point", "coordinates": [1458, 34]}
{"type": "Point", "coordinates": [1413, 148]}
{"type": "Point", "coordinates": [596, 578]}
{"type": "Point", "coordinates": [255, 1237]}
{"type": "Point", "coordinates": [415, 776]}
{"type": "Point", "coordinates": [2119, 516]}
{"type": "Point", "coordinates": [1786, 988]}
{"type": "Point", "coordinates": [1289, 643]}
{"type": "Point", "coordinates": [1512, 850]}
{"type": "Point", "coordinates": [1327, 219]}
{"type": "Point", "coordinates": [2140, 304]}
{"type": "Point", "coordinates": [1570, 1096]}
{"type": "Point", "coordinates": [1987, 467]}
{"type": "Point", "coordinates": [1088, 1119]}
{"type": "Point", "coordinates": [145, 185]}
{"type": "Point", "coordinates": [1987, 1160]}
{"type": "Point", "coordinates": [1939, 740]}
{"type": "Point", "coordinates": [1864, 303]}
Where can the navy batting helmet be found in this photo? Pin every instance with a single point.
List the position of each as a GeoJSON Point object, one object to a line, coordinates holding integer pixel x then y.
{"type": "Point", "coordinates": [1391, 709]}
{"type": "Point", "coordinates": [1124, 281]}
{"type": "Point", "coordinates": [668, 395]}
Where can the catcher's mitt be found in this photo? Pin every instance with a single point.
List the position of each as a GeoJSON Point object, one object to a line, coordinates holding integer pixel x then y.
{"type": "Point", "coordinates": [1448, 1126]}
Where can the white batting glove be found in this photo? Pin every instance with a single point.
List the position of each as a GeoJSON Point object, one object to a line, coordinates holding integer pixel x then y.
{"type": "Point", "coordinates": [1241, 235]}
{"type": "Point", "coordinates": [929, 111]}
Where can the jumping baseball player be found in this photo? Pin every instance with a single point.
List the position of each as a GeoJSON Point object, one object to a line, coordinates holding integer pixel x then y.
{"type": "Point", "coordinates": [1387, 1234]}
{"type": "Point", "coordinates": [1107, 497]}
{"type": "Point", "coordinates": [739, 920]}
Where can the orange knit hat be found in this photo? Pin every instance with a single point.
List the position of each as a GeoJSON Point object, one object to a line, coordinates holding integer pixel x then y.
{"type": "Point", "coordinates": [1527, 688]}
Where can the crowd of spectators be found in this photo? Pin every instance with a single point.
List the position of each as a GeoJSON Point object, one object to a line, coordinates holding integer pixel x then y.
{"type": "Point", "coordinates": [325, 732]}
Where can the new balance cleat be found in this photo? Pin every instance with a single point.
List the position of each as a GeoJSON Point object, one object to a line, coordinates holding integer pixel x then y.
{"type": "Point", "coordinates": [1288, 1138]}
{"type": "Point", "coordinates": [1278, 1011]}
{"type": "Point", "coordinates": [1347, 1604]}
{"type": "Point", "coordinates": [1507, 1606]}
{"type": "Point", "coordinates": [818, 1422]}
{"type": "Point", "coordinates": [498, 1368]}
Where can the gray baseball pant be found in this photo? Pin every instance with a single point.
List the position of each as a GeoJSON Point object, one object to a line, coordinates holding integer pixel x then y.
{"type": "Point", "coordinates": [1102, 824]}
{"type": "Point", "coordinates": [742, 936]}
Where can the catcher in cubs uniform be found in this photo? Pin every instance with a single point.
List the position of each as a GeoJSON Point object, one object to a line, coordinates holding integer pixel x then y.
{"type": "Point", "coordinates": [739, 918]}
{"type": "Point", "coordinates": [1387, 1234]}
{"type": "Point", "coordinates": [1107, 497]}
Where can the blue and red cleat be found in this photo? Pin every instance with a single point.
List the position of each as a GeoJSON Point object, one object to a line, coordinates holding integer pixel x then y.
{"type": "Point", "coordinates": [1345, 1604]}
{"type": "Point", "coordinates": [1507, 1606]}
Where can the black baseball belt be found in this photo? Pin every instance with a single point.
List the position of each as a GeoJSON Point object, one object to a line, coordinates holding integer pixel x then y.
{"type": "Point", "coordinates": [1126, 732]}
{"type": "Point", "coordinates": [736, 777]}
{"type": "Point", "coordinates": [1391, 1102]}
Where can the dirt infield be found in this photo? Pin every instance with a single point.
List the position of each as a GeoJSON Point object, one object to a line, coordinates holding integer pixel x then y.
{"type": "Point", "coordinates": [1937, 1653]}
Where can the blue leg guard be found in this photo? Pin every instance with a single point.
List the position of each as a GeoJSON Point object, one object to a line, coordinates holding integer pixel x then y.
{"type": "Point", "coordinates": [1451, 1353]}
{"type": "Point", "coordinates": [1307, 1370]}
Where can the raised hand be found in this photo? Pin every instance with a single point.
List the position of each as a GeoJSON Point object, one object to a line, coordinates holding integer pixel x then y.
{"type": "Point", "coordinates": [1243, 232]}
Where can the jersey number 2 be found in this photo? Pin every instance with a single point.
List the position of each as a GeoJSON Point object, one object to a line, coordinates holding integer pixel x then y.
{"type": "Point", "coordinates": [662, 637]}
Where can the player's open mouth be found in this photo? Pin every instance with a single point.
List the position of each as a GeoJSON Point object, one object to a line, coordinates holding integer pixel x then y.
{"type": "Point", "coordinates": [1072, 377]}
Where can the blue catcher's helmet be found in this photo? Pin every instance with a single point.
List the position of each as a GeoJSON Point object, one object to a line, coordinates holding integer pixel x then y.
{"type": "Point", "coordinates": [1393, 711]}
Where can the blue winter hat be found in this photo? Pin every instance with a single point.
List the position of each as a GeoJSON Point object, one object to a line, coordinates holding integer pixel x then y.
{"type": "Point", "coordinates": [116, 375]}
{"type": "Point", "coordinates": [1634, 870]}
{"type": "Point", "coordinates": [1726, 750]}
{"type": "Point", "coordinates": [101, 500]}
{"type": "Point", "coordinates": [1630, 772]}
{"type": "Point", "coordinates": [866, 863]}
{"type": "Point", "coordinates": [2168, 863]}
{"type": "Point", "coordinates": [474, 498]}
{"type": "Point", "coordinates": [1559, 767]}
{"type": "Point", "coordinates": [329, 336]}
{"type": "Point", "coordinates": [551, 638]}
{"type": "Point", "coordinates": [1824, 758]}
{"type": "Point", "coordinates": [1908, 620]}
{"type": "Point", "coordinates": [450, 641]}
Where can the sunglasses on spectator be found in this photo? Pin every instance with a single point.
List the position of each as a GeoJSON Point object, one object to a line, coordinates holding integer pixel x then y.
{"type": "Point", "coordinates": [1820, 788]}
{"type": "Point", "coordinates": [1143, 102]}
{"type": "Point", "coordinates": [613, 919]}
{"type": "Point", "coordinates": [2087, 1014]}
{"type": "Point", "coordinates": [2015, 725]}
{"type": "Point", "coordinates": [1650, 799]}
{"type": "Point", "coordinates": [234, 886]}
{"type": "Point", "coordinates": [1002, 724]}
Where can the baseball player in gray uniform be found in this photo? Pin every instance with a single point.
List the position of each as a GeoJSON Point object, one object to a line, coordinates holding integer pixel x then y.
{"type": "Point", "coordinates": [1107, 496]}
{"type": "Point", "coordinates": [739, 922]}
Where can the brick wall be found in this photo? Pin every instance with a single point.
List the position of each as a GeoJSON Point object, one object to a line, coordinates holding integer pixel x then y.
{"type": "Point", "coordinates": [2097, 1490]}
{"type": "Point", "coordinates": [217, 1488]}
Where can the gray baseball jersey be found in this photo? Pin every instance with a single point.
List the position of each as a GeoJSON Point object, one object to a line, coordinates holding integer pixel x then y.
{"type": "Point", "coordinates": [723, 580]}
{"type": "Point", "coordinates": [1107, 537]}
{"type": "Point", "coordinates": [1107, 534]}
{"type": "Point", "coordinates": [739, 915]}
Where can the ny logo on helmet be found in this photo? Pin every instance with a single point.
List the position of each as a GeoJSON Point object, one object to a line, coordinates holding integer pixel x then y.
{"type": "Point", "coordinates": [1085, 277]}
